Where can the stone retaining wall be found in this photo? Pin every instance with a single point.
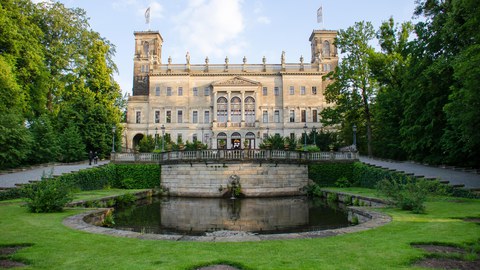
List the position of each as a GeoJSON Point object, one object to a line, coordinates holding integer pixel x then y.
{"type": "Point", "coordinates": [212, 180]}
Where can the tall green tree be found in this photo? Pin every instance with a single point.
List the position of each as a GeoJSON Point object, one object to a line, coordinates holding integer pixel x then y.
{"type": "Point", "coordinates": [388, 67]}
{"type": "Point", "coordinates": [461, 140]}
{"type": "Point", "coordinates": [352, 90]}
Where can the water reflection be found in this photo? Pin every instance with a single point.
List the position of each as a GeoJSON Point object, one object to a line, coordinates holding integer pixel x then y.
{"type": "Point", "coordinates": [195, 216]}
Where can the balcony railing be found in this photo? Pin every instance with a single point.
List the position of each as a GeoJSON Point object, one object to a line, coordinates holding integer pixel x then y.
{"type": "Point", "coordinates": [253, 155]}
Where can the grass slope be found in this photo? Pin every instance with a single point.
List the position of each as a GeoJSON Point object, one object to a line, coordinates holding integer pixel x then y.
{"type": "Point", "coordinates": [58, 247]}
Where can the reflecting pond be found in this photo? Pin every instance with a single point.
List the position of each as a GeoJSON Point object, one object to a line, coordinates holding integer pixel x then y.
{"type": "Point", "coordinates": [196, 216]}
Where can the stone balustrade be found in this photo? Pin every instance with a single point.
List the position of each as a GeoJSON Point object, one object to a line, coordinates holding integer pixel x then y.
{"type": "Point", "coordinates": [247, 155]}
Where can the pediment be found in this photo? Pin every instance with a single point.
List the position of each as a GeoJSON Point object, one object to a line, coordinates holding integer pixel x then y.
{"type": "Point", "coordinates": [236, 81]}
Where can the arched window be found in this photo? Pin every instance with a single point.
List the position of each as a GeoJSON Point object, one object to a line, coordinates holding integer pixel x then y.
{"type": "Point", "coordinates": [250, 111]}
{"type": "Point", "coordinates": [222, 110]}
{"type": "Point", "coordinates": [236, 110]}
{"type": "Point", "coordinates": [221, 140]}
{"type": "Point", "coordinates": [146, 48]}
{"type": "Point", "coordinates": [250, 138]}
{"type": "Point", "coordinates": [236, 140]}
{"type": "Point", "coordinates": [326, 49]}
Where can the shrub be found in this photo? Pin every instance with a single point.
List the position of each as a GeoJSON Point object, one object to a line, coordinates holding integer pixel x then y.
{"type": "Point", "coordinates": [125, 200]}
{"type": "Point", "coordinates": [46, 196]}
{"type": "Point", "coordinates": [407, 196]}
{"type": "Point", "coordinates": [332, 197]}
{"type": "Point", "coordinates": [313, 190]}
{"type": "Point", "coordinates": [342, 182]}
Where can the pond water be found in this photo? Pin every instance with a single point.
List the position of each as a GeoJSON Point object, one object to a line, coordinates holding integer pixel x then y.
{"type": "Point", "coordinates": [197, 216]}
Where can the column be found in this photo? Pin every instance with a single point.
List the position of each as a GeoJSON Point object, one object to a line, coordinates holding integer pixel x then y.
{"type": "Point", "coordinates": [257, 115]}
{"type": "Point", "coordinates": [228, 106]}
{"type": "Point", "coordinates": [243, 108]}
{"type": "Point", "coordinates": [214, 116]}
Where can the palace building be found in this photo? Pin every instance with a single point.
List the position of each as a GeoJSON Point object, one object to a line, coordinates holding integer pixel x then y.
{"type": "Point", "coordinates": [235, 104]}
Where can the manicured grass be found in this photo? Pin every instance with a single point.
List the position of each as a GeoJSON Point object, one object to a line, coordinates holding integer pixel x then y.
{"type": "Point", "coordinates": [98, 194]}
{"type": "Point", "coordinates": [58, 247]}
{"type": "Point", "coordinates": [367, 192]}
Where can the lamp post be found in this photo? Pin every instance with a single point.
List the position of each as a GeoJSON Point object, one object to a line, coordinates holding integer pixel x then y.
{"type": "Point", "coordinates": [314, 130]}
{"type": "Point", "coordinates": [305, 134]}
{"type": "Point", "coordinates": [156, 136]}
{"type": "Point", "coordinates": [114, 128]}
{"type": "Point", "coordinates": [354, 135]}
{"type": "Point", "coordinates": [163, 137]}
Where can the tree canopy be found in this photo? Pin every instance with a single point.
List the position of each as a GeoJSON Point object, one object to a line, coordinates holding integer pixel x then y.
{"type": "Point", "coordinates": [56, 85]}
{"type": "Point", "coordinates": [420, 91]}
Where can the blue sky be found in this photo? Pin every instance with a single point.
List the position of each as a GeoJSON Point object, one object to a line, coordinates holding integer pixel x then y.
{"type": "Point", "coordinates": [237, 28]}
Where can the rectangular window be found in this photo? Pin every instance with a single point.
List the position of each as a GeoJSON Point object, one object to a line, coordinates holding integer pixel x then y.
{"type": "Point", "coordinates": [302, 90]}
{"type": "Point", "coordinates": [314, 116]}
{"type": "Point", "coordinates": [265, 136]}
{"type": "Point", "coordinates": [195, 117]}
{"type": "Point", "coordinates": [138, 117]}
{"type": "Point", "coordinates": [264, 91]}
{"type": "Point", "coordinates": [180, 91]}
{"type": "Point", "coordinates": [157, 90]}
{"type": "Point", "coordinates": [292, 116]}
{"type": "Point", "coordinates": [179, 138]}
{"type": "Point", "coordinates": [195, 91]}
{"type": "Point", "coordinates": [157, 116]}
{"type": "Point", "coordinates": [276, 91]}
{"type": "Point", "coordinates": [314, 90]}
{"type": "Point", "coordinates": [207, 91]}
{"type": "Point", "coordinates": [292, 90]}
{"type": "Point", "coordinates": [265, 117]}
{"type": "Point", "coordinates": [169, 117]}
{"type": "Point", "coordinates": [169, 91]}
{"type": "Point", "coordinates": [292, 136]}
{"type": "Point", "coordinates": [206, 118]}
{"type": "Point", "coordinates": [304, 116]}
{"type": "Point", "coordinates": [277, 116]}
{"type": "Point", "coordinates": [194, 137]}
{"type": "Point", "coordinates": [180, 117]}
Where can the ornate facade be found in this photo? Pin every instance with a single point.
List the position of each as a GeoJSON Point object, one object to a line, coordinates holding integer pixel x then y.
{"type": "Point", "coordinates": [239, 104]}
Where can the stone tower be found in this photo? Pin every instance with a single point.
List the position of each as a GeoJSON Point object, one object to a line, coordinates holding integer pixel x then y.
{"type": "Point", "coordinates": [323, 50]}
{"type": "Point", "coordinates": [148, 56]}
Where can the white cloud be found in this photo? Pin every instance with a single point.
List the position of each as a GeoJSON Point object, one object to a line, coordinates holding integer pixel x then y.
{"type": "Point", "coordinates": [212, 27]}
{"type": "Point", "coordinates": [264, 20]}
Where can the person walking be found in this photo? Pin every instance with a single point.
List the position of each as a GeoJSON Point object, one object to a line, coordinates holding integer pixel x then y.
{"type": "Point", "coordinates": [90, 157]}
{"type": "Point", "coordinates": [95, 158]}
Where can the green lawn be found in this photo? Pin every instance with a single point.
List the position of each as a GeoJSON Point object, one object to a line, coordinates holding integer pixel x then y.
{"type": "Point", "coordinates": [98, 194]}
{"type": "Point", "coordinates": [58, 247]}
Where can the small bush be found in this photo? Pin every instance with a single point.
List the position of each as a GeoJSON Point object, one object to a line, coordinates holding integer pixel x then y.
{"type": "Point", "coordinates": [46, 196]}
{"type": "Point", "coordinates": [313, 190]}
{"type": "Point", "coordinates": [125, 200]}
{"type": "Point", "coordinates": [343, 182]}
{"type": "Point", "coordinates": [407, 196]}
{"type": "Point", "coordinates": [332, 197]}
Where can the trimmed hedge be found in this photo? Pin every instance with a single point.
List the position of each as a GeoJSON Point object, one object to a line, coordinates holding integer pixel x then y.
{"type": "Point", "coordinates": [137, 176]}
{"type": "Point", "coordinates": [326, 174]}
{"type": "Point", "coordinates": [91, 179]}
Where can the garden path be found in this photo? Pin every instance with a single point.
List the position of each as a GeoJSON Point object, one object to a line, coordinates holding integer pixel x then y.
{"type": "Point", "coordinates": [9, 180]}
{"type": "Point", "coordinates": [469, 178]}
